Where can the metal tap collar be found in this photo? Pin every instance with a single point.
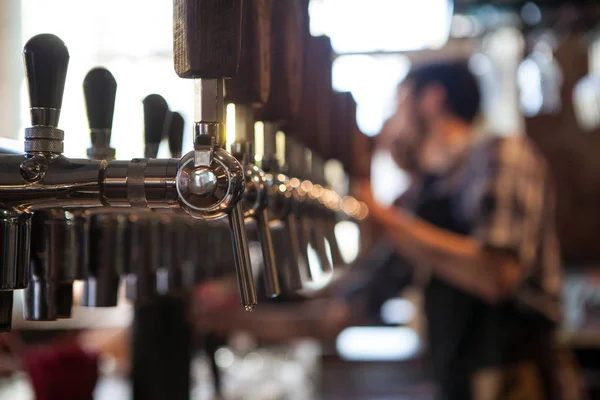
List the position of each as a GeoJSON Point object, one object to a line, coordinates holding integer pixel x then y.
{"type": "Point", "coordinates": [224, 193]}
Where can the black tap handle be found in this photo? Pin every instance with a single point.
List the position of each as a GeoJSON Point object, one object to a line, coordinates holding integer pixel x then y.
{"type": "Point", "coordinates": [46, 59]}
{"type": "Point", "coordinates": [156, 112]}
{"type": "Point", "coordinates": [100, 90]}
{"type": "Point", "coordinates": [176, 135]}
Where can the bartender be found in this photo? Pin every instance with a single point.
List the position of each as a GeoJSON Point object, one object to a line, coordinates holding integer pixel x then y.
{"type": "Point", "coordinates": [477, 227]}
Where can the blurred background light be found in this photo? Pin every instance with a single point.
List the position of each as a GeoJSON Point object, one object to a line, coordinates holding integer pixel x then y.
{"type": "Point", "coordinates": [347, 234]}
{"type": "Point", "coordinates": [387, 180]}
{"type": "Point", "coordinates": [531, 13]}
{"type": "Point", "coordinates": [397, 311]}
{"type": "Point", "coordinates": [372, 80]}
{"type": "Point", "coordinates": [357, 26]}
{"type": "Point", "coordinates": [369, 343]}
{"type": "Point", "coordinates": [139, 55]}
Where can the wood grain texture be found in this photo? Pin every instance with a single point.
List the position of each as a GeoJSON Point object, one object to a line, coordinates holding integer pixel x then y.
{"type": "Point", "coordinates": [289, 27]}
{"type": "Point", "coordinates": [206, 37]}
{"type": "Point", "coordinates": [252, 84]}
{"type": "Point", "coordinates": [312, 128]}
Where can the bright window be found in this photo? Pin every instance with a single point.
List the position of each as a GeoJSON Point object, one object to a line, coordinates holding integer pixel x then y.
{"type": "Point", "coordinates": [133, 39]}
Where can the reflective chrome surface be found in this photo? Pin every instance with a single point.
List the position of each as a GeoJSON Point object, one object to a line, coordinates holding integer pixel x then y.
{"type": "Point", "coordinates": [228, 191]}
{"type": "Point", "coordinates": [241, 256]}
{"type": "Point", "coordinates": [15, 230]}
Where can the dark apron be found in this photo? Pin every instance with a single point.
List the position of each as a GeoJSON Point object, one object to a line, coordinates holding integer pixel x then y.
{"type": "Point", "coordinates": [467, 335]}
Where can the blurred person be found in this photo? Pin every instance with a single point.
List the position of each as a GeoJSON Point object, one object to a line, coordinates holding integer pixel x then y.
{"type": "Point", "coordinates": [476, 229]}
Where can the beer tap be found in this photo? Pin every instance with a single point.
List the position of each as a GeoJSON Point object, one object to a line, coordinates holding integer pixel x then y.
{"type": "Point", "coordinates": [105, 245]}
{"type": "Point", "coordinates": [172, 276]}
{"type": "Point", "coordinates": [248, 90]}
{"type": "Point", "coordinates": [289, 27]}
{"type": "Point", "coordinates": [53, 261]}
{"type": "Point", "coordinates": [207, 183]}
{"type": "Point", "coordinates": [296, 166]}
{"type": "Point", "coordinates": [326, 203]}
{"type": "Point", "coordinates": [148, 258]}
{"type": "Point", "coordinates": [210, 181]}
{"type": "Point", "coordinates": [310, 191]}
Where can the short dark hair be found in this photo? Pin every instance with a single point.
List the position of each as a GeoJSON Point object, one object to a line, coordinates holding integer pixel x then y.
{"type": "Point", "coordinates": [463, 97]}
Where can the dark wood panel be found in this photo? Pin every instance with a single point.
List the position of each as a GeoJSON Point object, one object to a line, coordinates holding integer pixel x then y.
{"type": "Point", "coordinates": [252, 83]}
{"type": "Point", "coordinates": [206, 37]}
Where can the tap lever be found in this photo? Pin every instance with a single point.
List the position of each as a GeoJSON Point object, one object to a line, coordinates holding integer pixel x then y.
{"type": "Point", "coordinates": [100, 89]}
{"type": "Point", "coordinates": [46, 59]}
{"type": "Point", "coordinates": [176, 135]}
{"type": "Point", "coordinates": [241, 256]}
{"type": "Point", "coordinates": [156, 123]}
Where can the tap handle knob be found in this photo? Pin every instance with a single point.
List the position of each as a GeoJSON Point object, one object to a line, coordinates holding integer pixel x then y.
{"type": "Point", "coordinates": [273, 288]}
{"type": "Point", "coordinates": [156, 113]}
{"type": "Point", "coordinates": [46, 59]}
{"type": "Point", "coordinates": [241, 255]}
{"type": "Point", "coordinates": [176, 135]}
{"type": "Point", "coordinates": [100, 90]}
{"type": "Point", "coordinates": [206, 37]}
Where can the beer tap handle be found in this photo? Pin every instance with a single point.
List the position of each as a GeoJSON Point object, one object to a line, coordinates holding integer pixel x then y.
{"type": "Point", "coordinates": [205, 46]}
{"type": "Point", "coordinates": [176, 135]}
{"type": "Point", "coordinates": [46, 59]}
{"type": "Point", "coordinates": [100, 90]}
{"type": "Point", "coordinates": [155, 121]}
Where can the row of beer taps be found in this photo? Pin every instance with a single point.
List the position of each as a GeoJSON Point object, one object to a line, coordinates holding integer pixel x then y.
{"type": "Point", "coordinates": [157, 224]}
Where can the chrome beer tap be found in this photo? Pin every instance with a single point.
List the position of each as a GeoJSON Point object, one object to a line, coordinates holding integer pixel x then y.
{"type": "Point", "coordinates": [280, 204]}
{"type": "Point", "coordinates": [172, 276]}
{"type": "Point", "coordinates": [104, 244]}
{"type": "Point", "coordinates": [296, 167]}
{"type": "Point", "coordinates": [310, 191]}
{"type": "Point", "coordinates": [210, 181]}
{"type": "Point", "coordinates": [289, 27]}
{"type": "Point", "coordinates": [207, 183]}
{"type": "Point", "coordinates": [326, 204]}
{"type": "Point", "coordinates": [248, 90]}
{"type": "Point", "coordinates": [54, 240]}
{"type": "Point", "coordinates": [147, 244]}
